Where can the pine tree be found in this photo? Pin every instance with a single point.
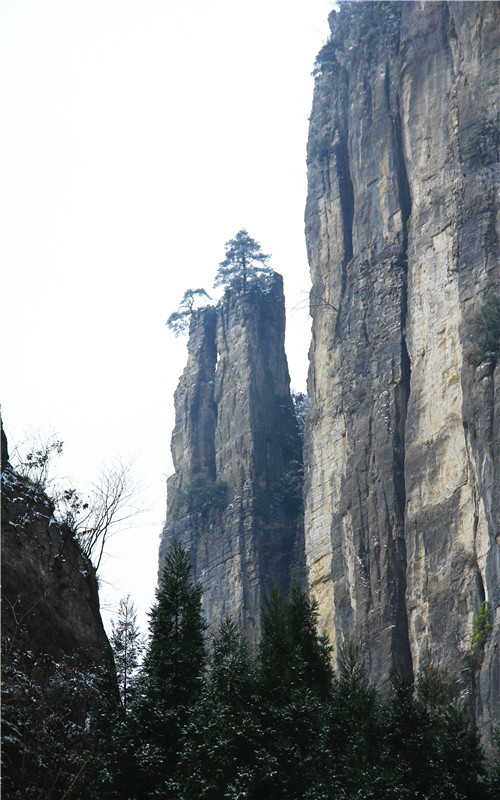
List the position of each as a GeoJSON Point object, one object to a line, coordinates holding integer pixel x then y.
{"type": "Point", "coordinates": [354, 731]}
{"type": "Point", "coordinates": [295, 682]}
{"type": "Point", "coordinates": [179, 321]}
{"type": "Point", "coordinates": [171, 677]}
{"type": "Point", "coordinates": [220, 739]}
{"type": "Point", "coordinates": [244, 264]}
{"type": "Point", "coordinates": [127, 647]}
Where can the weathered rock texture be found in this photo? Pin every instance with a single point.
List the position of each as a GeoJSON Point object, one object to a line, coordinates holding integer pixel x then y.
{"type": "Point", "coordinates": [50, 602]}
{"type": "Point", "coordinates": [403, 444]}
{"type": "Point", "coordinates": [236, 427]}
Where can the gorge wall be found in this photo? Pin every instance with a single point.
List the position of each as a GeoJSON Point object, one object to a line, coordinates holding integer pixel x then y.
{"type": "Point", "coordinates": [234, 500]}
{"type": "Point", "coordinates": [403, 441]}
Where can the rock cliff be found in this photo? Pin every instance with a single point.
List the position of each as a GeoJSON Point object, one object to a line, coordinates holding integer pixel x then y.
{"type": "Point", "coordinates": [403, 441]}
{"type": "Point", "coordinates": [234, 500]}
{"type": "Point", "coordinates": [50, 603]}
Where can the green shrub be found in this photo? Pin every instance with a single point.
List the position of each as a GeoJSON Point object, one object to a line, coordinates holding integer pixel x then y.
{"type": "Point", "coordinates": [482, 624]}
{"type": "Point", "coordinates": [487, 329]}
{"type": "Point", "coordinates": [201, 495]}
{"type": "Point", "coordinates": [483, 146]}
{"type": "Point", "coordinates": [318, 148]}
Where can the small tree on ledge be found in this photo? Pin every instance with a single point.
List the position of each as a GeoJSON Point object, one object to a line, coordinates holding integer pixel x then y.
{"type": "Point", "coordinates": [178, 322]}
{"type": "Point", "coordinates": [244, 264]}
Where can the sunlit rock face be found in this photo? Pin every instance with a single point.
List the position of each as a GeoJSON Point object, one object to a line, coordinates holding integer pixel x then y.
{"type": "Point", "coordinates": [403, 440]}
{"type": "Point", "coordinates": [50, 602]}
{"type": "Point", "coordinates": [236, 449]}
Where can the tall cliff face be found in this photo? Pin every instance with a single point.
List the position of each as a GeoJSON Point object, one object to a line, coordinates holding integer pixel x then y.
{"type": "Point", "coordinates": [402, 448]}
{"type": "Point", "coordinates": [237, 453]}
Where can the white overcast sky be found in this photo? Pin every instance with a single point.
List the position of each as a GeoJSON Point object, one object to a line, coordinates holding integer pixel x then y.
{"type": "Point", "coordinates": [136, 139]}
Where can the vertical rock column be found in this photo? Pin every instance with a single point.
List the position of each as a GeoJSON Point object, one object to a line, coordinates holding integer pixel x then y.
{"type": "Point", "coordinates": [246, 428]}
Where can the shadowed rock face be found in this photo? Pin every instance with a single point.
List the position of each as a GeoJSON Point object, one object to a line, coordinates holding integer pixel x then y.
{"type": "Point", "coordinates": [50, 602]}
{"type": "Point", "coordinates": [236, 428]}
{"type": "Point", "coordinates": [402, 446]}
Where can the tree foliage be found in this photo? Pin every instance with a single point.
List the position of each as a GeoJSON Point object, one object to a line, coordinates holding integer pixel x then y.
{"type": "Point", "coordinates": [201, 495]}
{"type": "Point", "coordinates": [126, 642]}
{"type": "Point", "coordinates": [244, 264]}
{"type": "Point", "coordinates": [274, 725]}
{"type": "Point", "coordinates": [178, 322]}
{"type": "Point", "coordinates": [171, 676]}
{"type": "Point", "coordinates": [487, 329]}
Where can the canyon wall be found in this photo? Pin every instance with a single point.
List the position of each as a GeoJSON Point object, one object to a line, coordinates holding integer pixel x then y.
{"type": "Point", "coordinates": [234, 499]}
{"type": "Point", "coordinates": [403, 441]}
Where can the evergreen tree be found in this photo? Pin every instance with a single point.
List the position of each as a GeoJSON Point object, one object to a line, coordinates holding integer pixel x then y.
{"type": "Point", "coordinates": [171, 677]}
{"type": "Point", "coordinates": [432, 748]}
{"type": "Point", "coordinates": [353, 731]}
{"type": "Point", "coordinates": [127, 646]}
{"type": "Point", "coordinates": [295, 680]}
{"type": "Point", "coordinates": [178, 322]}
{"type": "Point", "coordinates": [220, 739]}
{"type": "Point", "coordinates": [110, 771]}
{"type": "Point", "coordinates": [44, 733]}
{"type": "Point", "coordinates": [244, 264]}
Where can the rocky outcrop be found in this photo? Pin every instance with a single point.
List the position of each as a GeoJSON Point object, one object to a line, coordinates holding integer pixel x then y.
{"type": "Point", "coordinates": [50, 603]}
{"type": "Point", "coordinates": [402, 446]}
{"type": "Point", "coordinates": [234, 500]}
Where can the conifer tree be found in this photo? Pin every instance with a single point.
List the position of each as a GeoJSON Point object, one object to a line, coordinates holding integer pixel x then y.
{"type": "Point", "coordinates": [244, 264]}
{"type": "Point", "coordinates": [220, 738]}
{"type": "Point", "coordinates": [179, 321]}
{"type": "Point", "coordinates": [127, 646]}
{"type": "Point", "coordinates": [295, 683]}
{"type": "Point", "coordinates": [171, 676]}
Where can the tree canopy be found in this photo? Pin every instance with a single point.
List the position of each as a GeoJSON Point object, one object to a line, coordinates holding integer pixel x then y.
{"type": "Point", "coordinates": [244, 264]}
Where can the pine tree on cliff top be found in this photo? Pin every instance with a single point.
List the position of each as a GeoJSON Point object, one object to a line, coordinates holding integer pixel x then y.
{"type": "Point", "coordinates": [244, 264]}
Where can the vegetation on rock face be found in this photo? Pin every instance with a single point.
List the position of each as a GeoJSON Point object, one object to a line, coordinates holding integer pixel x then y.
{"type": "Point", "coordinates": [482, 625]}
{"type": "Point", "coordinates": [483, 146]}
{"type": "Point", "coordinates": [354, 28]}
{"type": "Point", "coordinates": [201, 495]}
{"type": "Point", "coordinates": [281, 724]}
{"type": "Point", "coordinates": [244, 264]}
{"type": "Point", "coordinates": [301, 408]}
{"type": "Point", "coordinates": [487, 329]}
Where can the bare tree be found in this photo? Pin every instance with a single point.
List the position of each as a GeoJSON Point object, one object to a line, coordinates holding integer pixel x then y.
{"type": "Point", "coordinates": [33, 457]}
{"type": "Point", "coordinates": [110, 504]}
{"type": "Point", "coordinates": [92, 516]}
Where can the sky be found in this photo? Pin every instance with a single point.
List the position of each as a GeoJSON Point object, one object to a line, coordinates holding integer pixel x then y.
{"type": "Point", "coordinates": [136, 139]}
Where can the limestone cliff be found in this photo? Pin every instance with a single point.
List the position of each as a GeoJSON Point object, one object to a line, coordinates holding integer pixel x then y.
{"type": "Point", "coordinates": [237, 456]}
{"type": "Point", "coordinates": [403, 442]}
{"type": "Point", "coordinates": [50, 602]}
